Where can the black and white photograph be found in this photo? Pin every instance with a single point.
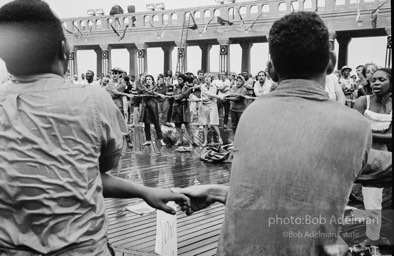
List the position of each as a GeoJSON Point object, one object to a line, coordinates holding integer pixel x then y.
{"type": "Point", "coordinates": [182, 127]}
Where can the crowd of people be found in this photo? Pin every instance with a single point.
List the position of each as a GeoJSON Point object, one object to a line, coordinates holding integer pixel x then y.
{"type": "Point", "coordinates": [297, 154]}
{"type": "Point", "coordinates": [173, 100]}
{"type": "Point", "coordinates": [206, 98]}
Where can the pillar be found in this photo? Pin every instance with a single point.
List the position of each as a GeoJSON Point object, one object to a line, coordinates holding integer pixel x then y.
{"type": "Point", "coordinates": [181, 64]}
{"type": "Point", "coordinates": [142, 58]}
{"type": "Point", "coordinates": [388, 60]}
{"type": "Point", "coordinates": [245, 63]}
{"type": "Point", "coordinates": [205, 57]}
{"type": "Point", "coordinates": [106, 64]}
{"type": "Point", "coordinates": [71, 63]}
{"type": "Point", "coordinates": [133, 61]}
{"type": "Point", "coordinates": [343, 51]}
{"type": "Point", "coordinates": [224, 55]}
{"type": "Point", "coordinates": [167, 65]}
{"type": "Point", "coordinates": [99, 62]}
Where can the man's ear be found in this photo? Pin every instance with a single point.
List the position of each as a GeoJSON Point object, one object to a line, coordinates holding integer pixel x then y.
{"type": "Point", "coordinates": [64, 54]}
{"type": "Point", "coordinates": [64, 50]}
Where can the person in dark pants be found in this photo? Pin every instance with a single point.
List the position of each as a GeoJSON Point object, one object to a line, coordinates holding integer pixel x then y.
{"type": "Point", "coordinates": [168, 103]}
{"type": "Point", "coordinates": [238, 103]}
{"type": "Point", "coordinates": [150, 110]}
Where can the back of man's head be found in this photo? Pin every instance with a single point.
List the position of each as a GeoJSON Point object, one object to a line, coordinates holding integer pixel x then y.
{"type": "Point", "coordinates": [30, 37]}
{"type": "Point", "coordinates": [298, 45]}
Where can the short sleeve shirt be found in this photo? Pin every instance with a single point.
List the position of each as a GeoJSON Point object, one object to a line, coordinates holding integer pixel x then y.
{"type": "Point", "coordinates": [53, 136]}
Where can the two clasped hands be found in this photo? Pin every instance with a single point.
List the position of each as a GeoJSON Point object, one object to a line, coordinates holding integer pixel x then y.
{"type": "Point", "coordinates": [190, 199]}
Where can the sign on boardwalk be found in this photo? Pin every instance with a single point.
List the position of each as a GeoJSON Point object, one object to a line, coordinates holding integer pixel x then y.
{"type": "Point", "coordinates": [166, 233]}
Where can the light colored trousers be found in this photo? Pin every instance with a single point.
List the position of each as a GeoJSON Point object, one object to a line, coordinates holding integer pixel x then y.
{"type": "Point", "coordinates": [373, 205]}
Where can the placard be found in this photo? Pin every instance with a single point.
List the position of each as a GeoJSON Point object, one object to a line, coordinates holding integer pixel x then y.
{"type": "Point", "coordinates": [141, 208]}
{"type": "Point", "coordinates": [166, 233]}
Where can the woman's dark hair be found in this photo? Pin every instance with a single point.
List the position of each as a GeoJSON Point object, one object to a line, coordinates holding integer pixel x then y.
{"type": "Point", "coordinates": [153, 79]}
{"type": "Point", "coordinates": [31, 37]}
{"type": "Point", "coordinates": [183, 77]}
{"type": "Point", "coordinates": [298, 45]}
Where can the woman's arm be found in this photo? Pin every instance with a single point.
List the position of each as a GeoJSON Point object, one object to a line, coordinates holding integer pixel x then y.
{"type": "Point", "coordinates": [382, 137]}
{"type": "Point", "coordinates": [361, 104]}
{"type": "Point", "coordinates": [184, 93]}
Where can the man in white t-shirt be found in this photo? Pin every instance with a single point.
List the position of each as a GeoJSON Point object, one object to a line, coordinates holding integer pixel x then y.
{"type": "Point", "coordinates": [223, 89]}
{"type": "Point", "coordinates": [90, 78]}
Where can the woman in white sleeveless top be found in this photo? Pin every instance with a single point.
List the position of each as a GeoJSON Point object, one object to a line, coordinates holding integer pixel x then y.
{"type": "Point", "coordinates": [377, 108]}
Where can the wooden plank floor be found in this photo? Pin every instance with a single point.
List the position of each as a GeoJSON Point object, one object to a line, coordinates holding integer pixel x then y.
{"type": "Point", "coordinates": [158, 166]}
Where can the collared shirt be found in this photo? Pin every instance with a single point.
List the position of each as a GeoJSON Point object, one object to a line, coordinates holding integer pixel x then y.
{"type": "Point", "coordinates": [296, 156]}
{"type": "Point", "coordinates": [53, 136]}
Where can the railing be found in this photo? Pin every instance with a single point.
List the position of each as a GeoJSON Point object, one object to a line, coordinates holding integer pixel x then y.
{"type": "Point", "coordinates": [268, 9]}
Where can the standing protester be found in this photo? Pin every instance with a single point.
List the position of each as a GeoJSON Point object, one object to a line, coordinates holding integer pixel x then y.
{"type": "Point", "coordinates": [332, 86]}
{"type": "Point", "coordinates": [223, 89]}
{"type": "Point", "coordinates": [58, 141]}
{"type": "Point", "coordinates": [367, 72]}
{"type": "Point", "coordinates": [237, 101]}
{"type": "Point", "coordinates": [150, 110]}
{"type": "Point", "coordinates": [348, 86]}
{"type": "Point", "coordinates": [262, 85]}
{"type": "Point", "coordinates": [377, 109]}
{"type": "Point", "coordinates": [161, 101]}
{"type": "Point", "coordinates": [209, 115]}
{"type": "Point", "coordinates": [248, 86]}
{"type": "Point", "coordinates": [169, 103]}
{"type": "Point", "coordinates": [181, 108]}
{"type": "Point", "coordinates": [287, 163]}
{"type": "Point", "coordinates": [90, 78]}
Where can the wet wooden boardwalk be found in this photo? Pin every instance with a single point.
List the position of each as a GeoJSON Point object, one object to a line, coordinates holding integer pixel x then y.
{"type": "Point", "coordinates": [158, 166]}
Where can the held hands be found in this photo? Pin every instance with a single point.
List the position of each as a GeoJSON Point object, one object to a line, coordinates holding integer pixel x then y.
{"type": "Point", "coordinates": [202, 196]}
{"type": "Point", "coordinates": [157, 198]}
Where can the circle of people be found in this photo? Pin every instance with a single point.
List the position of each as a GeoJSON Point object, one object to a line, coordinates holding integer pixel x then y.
{"type": "Point", "coordinates": [184, 98]}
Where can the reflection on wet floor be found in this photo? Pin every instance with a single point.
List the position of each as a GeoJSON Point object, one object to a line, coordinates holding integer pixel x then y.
{"type": "Point", "coordinates": [177, 170]}
{"type": "Point", "coordinates": [134, 234]}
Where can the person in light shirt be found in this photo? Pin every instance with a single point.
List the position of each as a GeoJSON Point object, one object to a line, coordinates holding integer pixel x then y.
{"type": "Point", "coordinates": [208, 114]}
{"type": "Point", "coordinates": [90, 78]}
{"type": "Point", "coordinates": [262, 85]}
{"type": "Point", "coordinates": [332, 86]}
{"type": "Point", "coordinates": [223, 89]}
{"type": "Point", "coordinates": [58, 142]}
